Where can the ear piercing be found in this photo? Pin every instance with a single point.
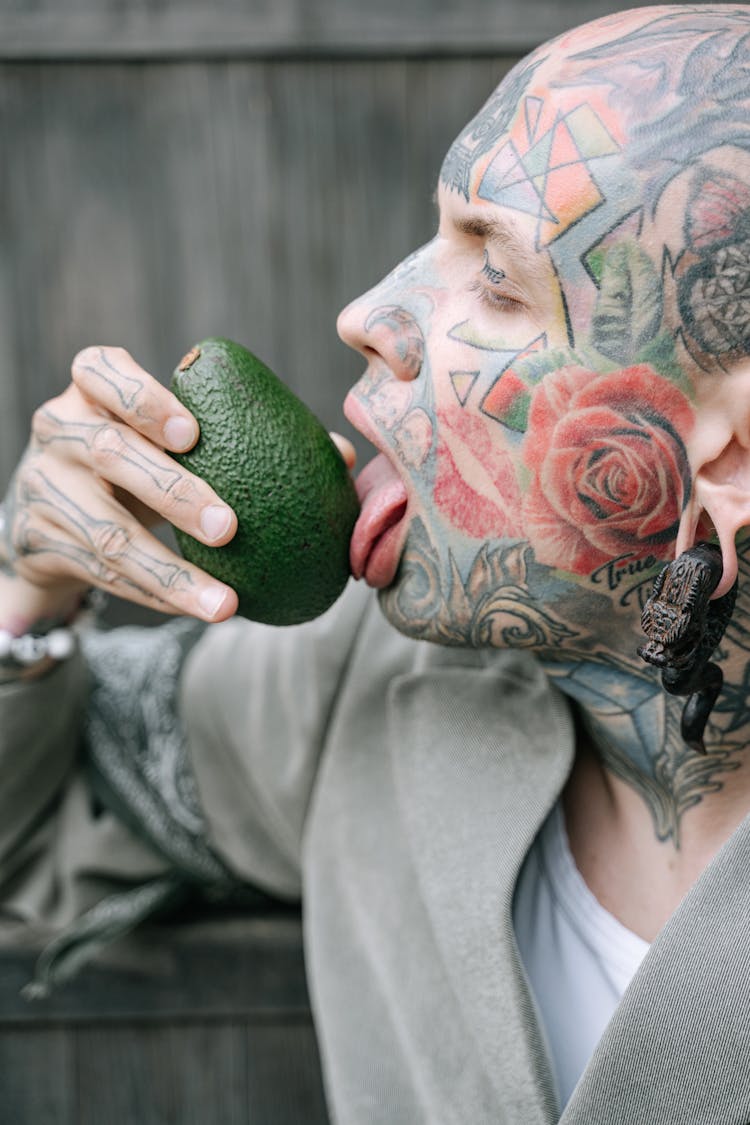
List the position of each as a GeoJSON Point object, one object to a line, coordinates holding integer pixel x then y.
{"type": "Point", "coordinates": [683, 626]}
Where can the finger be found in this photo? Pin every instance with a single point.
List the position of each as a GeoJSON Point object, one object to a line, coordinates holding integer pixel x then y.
{"type": "Point", "coordinates": [127, 461]}
{"type": "Point", "coordinates": [138, 510]}
{"type": "Point", "coordinates": [346, 449]}
{"type": "Point", "coordinates": [112, 379]}
{"type": "Point", "coordinates": [98, 542]}
{"type": "Point", "coordinates": [46, 551]}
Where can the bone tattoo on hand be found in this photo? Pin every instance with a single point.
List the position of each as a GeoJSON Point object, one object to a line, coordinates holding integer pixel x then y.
{"type": "Point", "coordinates": [684, 626]}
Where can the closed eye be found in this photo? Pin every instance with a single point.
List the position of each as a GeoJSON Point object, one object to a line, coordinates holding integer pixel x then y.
{"type": "Point", "coordinates": [493, 276]}
{"type": "Point", "coordinates": [495, 290]}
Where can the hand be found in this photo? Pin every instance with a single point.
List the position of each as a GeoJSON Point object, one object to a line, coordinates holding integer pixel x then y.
{"type": "Point", "coordinates": [95, 475]}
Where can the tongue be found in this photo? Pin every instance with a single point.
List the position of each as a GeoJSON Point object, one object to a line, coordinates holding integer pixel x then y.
{"type": "Point", "coordinates": [383, 498]}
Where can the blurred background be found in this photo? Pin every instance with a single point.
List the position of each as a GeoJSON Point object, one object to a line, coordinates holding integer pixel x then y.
{"type": "Point", "coordinates": [173, 169]}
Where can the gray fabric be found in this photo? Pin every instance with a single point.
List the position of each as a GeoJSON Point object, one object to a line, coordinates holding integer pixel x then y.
{"type": "Point", "coordinates": [397, 786]}
{"type": "Point", "coordinates": [436, 769]}
{"type": "Point", "coordinates": [39, 748]}
{"type": "Point", "coordinates": [112, 918]}
{"type": "Point", "coordinates": [412, 912]}
{"type": "Point", "coordinates": [422, 806]}
{"type": "Point", "coordinates": [256, 749]}
{"type": "Point", "coordinates": [135, 745]}
{"type": "Point", "coordinates": [135, 755]}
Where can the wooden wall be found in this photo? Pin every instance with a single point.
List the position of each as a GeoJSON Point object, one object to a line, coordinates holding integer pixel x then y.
{"type": "Point", "coordinates": [171, 169]}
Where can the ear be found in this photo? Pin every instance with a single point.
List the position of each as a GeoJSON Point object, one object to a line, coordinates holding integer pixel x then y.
{"type": "Point", "coordinates": [720, 458]}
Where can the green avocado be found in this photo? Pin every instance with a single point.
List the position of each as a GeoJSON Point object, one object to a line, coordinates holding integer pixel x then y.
{"type": "Point", "coordinates": [265, 453]}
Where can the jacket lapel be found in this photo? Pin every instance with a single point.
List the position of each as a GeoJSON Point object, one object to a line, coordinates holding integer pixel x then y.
{"type": "Point", "coordinates": [479, 757]}
{"type": "Point", "coordinates": [678, 1046]}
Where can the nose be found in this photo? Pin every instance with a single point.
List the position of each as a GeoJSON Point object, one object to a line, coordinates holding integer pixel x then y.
{"type": "Point", "coordinates": [386, 330]}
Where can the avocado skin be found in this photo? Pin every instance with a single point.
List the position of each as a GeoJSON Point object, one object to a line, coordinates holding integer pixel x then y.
{"type": "Point", "coordinates": [267, 455]}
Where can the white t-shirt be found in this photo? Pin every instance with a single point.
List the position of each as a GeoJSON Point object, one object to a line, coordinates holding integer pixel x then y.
{"type": "Point", "coordinates": [578, 957]}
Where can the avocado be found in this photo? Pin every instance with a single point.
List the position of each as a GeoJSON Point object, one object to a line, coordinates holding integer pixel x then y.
{"type": "Point", "coordinates": [267, 455]}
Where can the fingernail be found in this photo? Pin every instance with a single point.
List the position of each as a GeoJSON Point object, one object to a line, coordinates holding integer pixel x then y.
{"type": "Point", "coordinates": [210, 599]}
{"type": "Point", "coordinates": [215, 520]}
{"type": "Point", "coordinates": [179, 432]}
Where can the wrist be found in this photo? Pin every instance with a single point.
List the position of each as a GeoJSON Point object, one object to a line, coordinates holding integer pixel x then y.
{"type": "Point", "coordinates": [35, 632]}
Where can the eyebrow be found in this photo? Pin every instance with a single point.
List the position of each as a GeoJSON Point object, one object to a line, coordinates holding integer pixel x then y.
{"type": "Point", "coordinates": [496, 230]}
{"type": "Point", "coordinates": [500, 232]}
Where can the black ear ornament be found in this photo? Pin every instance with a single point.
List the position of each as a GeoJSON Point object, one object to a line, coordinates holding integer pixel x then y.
{"type": "Point", "coordinates": [683, 626]}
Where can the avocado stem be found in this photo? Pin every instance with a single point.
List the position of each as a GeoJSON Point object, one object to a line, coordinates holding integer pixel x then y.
{"type": "Point", "coordinates": [189, 359]}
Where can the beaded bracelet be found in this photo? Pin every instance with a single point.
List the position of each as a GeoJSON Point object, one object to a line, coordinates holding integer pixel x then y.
{"type": "Point", "coordinates": [25, 656]}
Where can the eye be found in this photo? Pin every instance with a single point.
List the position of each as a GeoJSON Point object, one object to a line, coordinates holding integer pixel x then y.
{"type": "Point", "coordinates": [493, 276]}
{"type": "Point", "coordinates": [495, 290]}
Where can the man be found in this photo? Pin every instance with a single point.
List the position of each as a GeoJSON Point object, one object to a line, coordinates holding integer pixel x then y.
{"type": "Point", "coordinates": [524, 894]}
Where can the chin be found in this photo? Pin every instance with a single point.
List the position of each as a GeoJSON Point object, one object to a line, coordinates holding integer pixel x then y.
{"type": "Point", "coordinates": [418, 602]}
{"type": "Point", "coordinates": [426, 604]}
{"type": "Point", "coordinates": [493, 605]}
{"type": "Point", "coordinates": [399, 613]}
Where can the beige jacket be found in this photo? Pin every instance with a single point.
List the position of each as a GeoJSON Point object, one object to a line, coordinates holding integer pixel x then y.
{"type": "Point", "coordinates": [396, 786]}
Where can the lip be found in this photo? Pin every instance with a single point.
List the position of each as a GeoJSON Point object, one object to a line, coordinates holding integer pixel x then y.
{"type": "Point", "coordinates": [380, 531]}
{"type": "Point", "coordinates": [355, 413]}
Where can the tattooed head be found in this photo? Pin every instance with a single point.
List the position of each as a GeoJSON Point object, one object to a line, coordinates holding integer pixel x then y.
{"type": "Point", "coordinates": [538, 372]}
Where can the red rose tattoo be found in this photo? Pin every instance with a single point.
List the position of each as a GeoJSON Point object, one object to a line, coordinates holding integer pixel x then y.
{"type": "Point", "coordinates": [609, 470]}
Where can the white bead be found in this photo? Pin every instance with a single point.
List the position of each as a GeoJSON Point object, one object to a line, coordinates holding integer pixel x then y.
{"type": "Point", "coordinates": [60, 644]}
{"type": "Point", "coordinates": [28, 650]}
{"type": "Point", "coordinates": [6, 641]}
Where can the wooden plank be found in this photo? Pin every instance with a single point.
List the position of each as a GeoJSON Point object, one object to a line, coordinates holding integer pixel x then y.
{"type": "Point", "coordinates": [235, 1073]}
{"type": "Point", "coordinates": [223, 969]}
{"type": "Point", "coordinates": [186, 1075]}
{"type": "Point", "coordinates": [283, 1077]}
{"type": "Point", "coordinates": [36, 1086]}
{"type": "Point", "coordinates": [188, 28]}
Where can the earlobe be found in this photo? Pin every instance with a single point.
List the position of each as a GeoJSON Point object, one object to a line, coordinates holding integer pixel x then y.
{"type": "Point", "coordinates": [719, 452]}
{"type": "Point", "coordinates": [720, 502]}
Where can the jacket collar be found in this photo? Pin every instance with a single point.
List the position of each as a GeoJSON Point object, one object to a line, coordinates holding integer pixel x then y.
{"type": "Point", "coordinates": [479, 758]}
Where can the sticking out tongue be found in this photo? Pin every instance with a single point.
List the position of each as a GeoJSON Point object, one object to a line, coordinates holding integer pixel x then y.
{"type": "Point", "coordinates": [377, 540]}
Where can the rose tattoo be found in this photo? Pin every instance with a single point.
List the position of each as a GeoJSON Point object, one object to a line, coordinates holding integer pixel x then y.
{"type": "Point", "coordinates": [609, 470]}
